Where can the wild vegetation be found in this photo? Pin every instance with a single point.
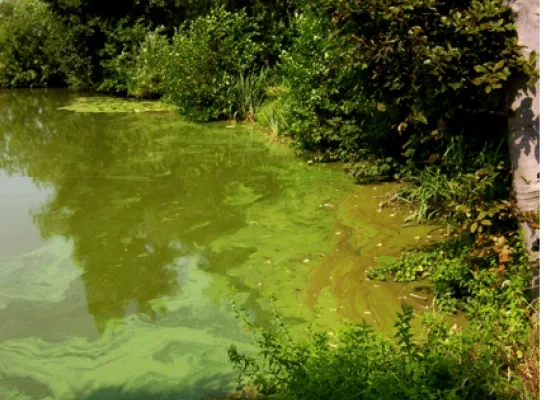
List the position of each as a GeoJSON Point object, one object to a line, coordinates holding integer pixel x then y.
{"type": "Point", "coordinates": [413, 91]}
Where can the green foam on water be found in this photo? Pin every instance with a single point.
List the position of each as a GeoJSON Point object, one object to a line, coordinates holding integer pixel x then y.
{"type": "Point", "coordinates": [47, 273]}
{"type": "Point", "coordinates": [188, 341]}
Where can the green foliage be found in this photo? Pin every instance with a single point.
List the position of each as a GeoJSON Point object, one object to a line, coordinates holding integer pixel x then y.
{"type": "Point", "coordinates": [270, 116]}
{"type": "Point", "coordinates": [248, 94]}
{"type": "Point", "coordinates": [208, 58]}
{"type": "Point", "coordinates": [102, 40]}
{"type": "Point", "coordinates": [482, 268]}
{"type": "Point", "coordinates": [359, 363]}
{"type": "Point", "coordinates": [148, 73]}
{"type": "Point", "coordinates": [373, 169]}
{"type": "Point", "coordinates": [318, 115]}
{"type": "Point", "coordinates": [119, 55]}
{"type": "Point", "coordinates": [30, 43]}
{"type": "Point", "coordinates": [93, 27]}
{"type": "Point", "coordinates": [379, 79]}
{"type": "Point", "coordinates": [434, 194]}
{"type": "Point", "coordinates": [461, 280]}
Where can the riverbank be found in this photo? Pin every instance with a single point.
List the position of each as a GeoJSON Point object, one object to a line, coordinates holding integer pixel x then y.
{"type": "Point", "coordinates": [498, 354]}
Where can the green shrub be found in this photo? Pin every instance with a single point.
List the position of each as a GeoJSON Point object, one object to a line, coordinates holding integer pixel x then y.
{"type": "Point", "coordinates": [208, 57]}
{"type": "Point", "coordinates": [483, 251]}
{"type": "Point", "coordinates": [360, 364]}
{"type": "Point", "coordinates": [378, 79]}
{"type": "Point", "coordinates": [30, 40]}
{"type": "Point", "coordinates": [319, 109]}
{"type": "Point", "coordinates": [276, 26]}
{"type": "Point", "coordinates": [148, 74]}
{"type": "Point", "coordinates": [119, 55]}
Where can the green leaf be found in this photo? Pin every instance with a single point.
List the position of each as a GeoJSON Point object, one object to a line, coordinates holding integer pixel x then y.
{"type": "Point", "coordinates": [474, 227]}
{"type": "Point", "coordinates": [455, 85]}
{"type": "Point", "coordinates": [420, 117]}
{"type": "Point", "coordinates": [498, 65]}
{"type": "Point", "coordinates": [533, 58]}
{"type": "Point", "coordinates": [486, 222]}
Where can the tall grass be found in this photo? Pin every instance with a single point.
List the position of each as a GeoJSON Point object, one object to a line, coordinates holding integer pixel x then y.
{"type": "Point", "coordinates": [434, 191]}
{"type": "Point", "coordinates": [247, 94]}
{"type": "Point", "coordinates": [431, 192]}
{"type": "Point", "coordinates": [270, 116]}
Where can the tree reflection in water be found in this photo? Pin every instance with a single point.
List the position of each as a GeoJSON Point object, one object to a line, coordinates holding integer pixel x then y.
{"type": "Point", "coordinates": [133, 192]}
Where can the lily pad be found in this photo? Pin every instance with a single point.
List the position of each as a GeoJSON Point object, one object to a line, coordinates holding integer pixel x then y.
{"type": "Point", "coordinates": [116, 105]}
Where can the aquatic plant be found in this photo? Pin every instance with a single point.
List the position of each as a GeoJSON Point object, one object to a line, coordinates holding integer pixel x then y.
{"type": "Point", "coordinates": [101, 104]}
{"type": "Point", "coordinates": [270, 114]}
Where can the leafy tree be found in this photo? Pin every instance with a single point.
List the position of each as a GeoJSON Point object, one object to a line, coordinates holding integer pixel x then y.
{"type": "Point", "coordinates": [397, 80]}
{"type": "Point", "coordinates": [101, 31]}
{"type": "Point", "coordinates": [31, 43]}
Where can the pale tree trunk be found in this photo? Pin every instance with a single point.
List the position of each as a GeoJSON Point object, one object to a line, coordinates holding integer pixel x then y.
{"type": "Point", "coordinates": [524, 133]}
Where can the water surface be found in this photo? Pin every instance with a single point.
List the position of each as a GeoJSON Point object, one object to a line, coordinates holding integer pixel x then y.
{"type": "Point", "coordinates": [121, 235]}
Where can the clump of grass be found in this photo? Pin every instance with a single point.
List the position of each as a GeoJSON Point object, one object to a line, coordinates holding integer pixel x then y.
{"type": "Point", "coordinates": [435, 191]}
{"type": "Point", "coordinates": [434, 194]}
{"type": "Point", "coordinates": [527, 365]}
{"type": "Point", "coordinates": [270, 115]}
{"type": "Point", "coordinates": [247, 94]}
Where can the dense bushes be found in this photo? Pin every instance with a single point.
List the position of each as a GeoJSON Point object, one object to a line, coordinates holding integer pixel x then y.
{"type": "Point", "coordinates": [100, 31]}
{"type": "Point", "coordinates": [90, 45]}
{"type": "Point", "coordinates": [359, 364]}
{"type": "Point", "coordinates": [398, 79]}
{"type": "Point", "coordinates": [207, 59]}
{"type": "Point", "coordinates": [119, 55]}
{"type": "Point", "coordinates": [30, 39]}
{"type": "Point", "coordinates": [146, 78]}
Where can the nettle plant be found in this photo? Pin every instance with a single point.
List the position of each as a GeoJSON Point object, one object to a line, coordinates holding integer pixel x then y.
{"type": "Point", "coordinates": [398, 78]}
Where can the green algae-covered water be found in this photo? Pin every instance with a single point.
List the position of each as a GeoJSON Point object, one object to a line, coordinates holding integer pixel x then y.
{"type": "Point", "coordinates": [122, 233]}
